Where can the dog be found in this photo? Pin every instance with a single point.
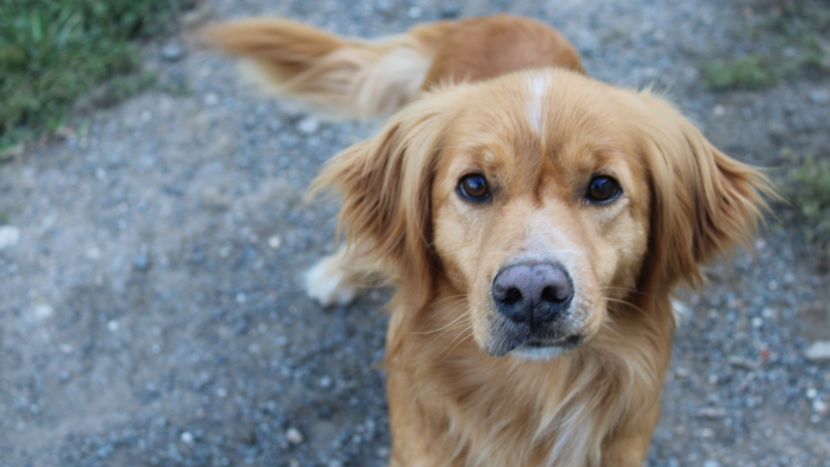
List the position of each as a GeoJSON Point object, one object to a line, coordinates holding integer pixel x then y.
{"type": "Point", "coordinates": [351, 78]}
{"type": "Point", "coordinates": [533, 221]}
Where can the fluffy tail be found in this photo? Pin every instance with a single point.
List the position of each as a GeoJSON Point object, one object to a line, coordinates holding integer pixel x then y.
{"type": "Point", "coordinates": [341, 77]}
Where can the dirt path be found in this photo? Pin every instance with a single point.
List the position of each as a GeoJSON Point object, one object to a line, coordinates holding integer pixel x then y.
{"type": "Point", "coordinates": [151, 312]}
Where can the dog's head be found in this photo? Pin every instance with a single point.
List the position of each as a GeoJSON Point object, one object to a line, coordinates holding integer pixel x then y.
{"type": "Point", "coordinates": [544, 198]}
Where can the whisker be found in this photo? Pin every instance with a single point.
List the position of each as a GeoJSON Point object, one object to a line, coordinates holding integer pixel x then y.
{"type": "Point", "coordinates": [624, 302]}
{"type": "Point", "coordinates": [463, 315]}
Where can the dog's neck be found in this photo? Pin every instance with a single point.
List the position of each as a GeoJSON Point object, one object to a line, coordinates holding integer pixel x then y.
{"type": "Point", "coordinates": [560, 410]}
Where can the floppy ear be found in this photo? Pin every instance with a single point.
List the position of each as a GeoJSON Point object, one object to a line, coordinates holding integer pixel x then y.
{"type": "Point", "coordinates": [703, 202]}
{"type": "Point", "coordinates": [385, 184]}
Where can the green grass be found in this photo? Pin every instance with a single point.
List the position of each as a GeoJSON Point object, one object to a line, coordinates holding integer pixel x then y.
{"type": "Point", "coordinates": [751, 72]}
{"type": "Point", "coordinates": [807, 187]}
{"type": "Point", "coordinates": [54, 51]}
{"type": "Point", "coordinates": [796, 35]}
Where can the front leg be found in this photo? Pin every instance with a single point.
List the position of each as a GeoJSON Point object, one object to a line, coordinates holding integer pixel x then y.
{"type": "Point", "coordinates": [628, 447]}
{"type": "Point", "coordinates": [338, 278]}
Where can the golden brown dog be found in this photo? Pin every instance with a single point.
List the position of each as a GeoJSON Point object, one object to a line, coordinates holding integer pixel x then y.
{"type": "Point", "coordinates": [534, 222]}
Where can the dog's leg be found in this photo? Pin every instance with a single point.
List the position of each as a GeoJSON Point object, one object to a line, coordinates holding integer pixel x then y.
{"type": "Point", "coordinates": [327, 282]}
{"type": "Point", "coordinates": [629, 447]}
{"type": "Point", "coordinates": [338, 278]}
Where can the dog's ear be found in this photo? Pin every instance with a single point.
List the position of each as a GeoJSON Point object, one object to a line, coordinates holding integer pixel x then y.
{"type": "Point", "coordinates": [703, 201]}
{"type": "Point", "coordinates": [385, 184]}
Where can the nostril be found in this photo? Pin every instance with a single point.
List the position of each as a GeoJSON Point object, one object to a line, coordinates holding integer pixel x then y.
{"type": "Point", "coordinates": [512, 296]}
{"type": "Point", "coordinates": [553, 295]}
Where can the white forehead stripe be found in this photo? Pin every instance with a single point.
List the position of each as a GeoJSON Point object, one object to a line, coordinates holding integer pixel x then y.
{"type": "Point", "coordinates": [537, 83]}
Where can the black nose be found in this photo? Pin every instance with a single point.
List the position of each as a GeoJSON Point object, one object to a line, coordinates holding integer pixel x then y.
{"type": "Point", "coordinates": [534, 294]}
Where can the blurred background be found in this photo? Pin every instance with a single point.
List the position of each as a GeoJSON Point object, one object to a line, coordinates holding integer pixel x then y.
{"type": "Point", "coordinates": [153, 235]}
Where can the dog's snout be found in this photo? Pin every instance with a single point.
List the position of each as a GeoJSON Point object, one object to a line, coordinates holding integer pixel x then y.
{"type": "Point", "coordinates": [534, 294]}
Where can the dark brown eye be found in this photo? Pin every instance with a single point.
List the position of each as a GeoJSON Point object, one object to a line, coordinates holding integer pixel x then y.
{"type": "Point", "coordinates": [474, 188]}
{"type": "Point", "coordinates": [603, 189]}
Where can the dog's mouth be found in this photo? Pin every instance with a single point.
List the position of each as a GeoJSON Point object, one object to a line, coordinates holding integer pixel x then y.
{"type": "Point", "coordinates": [534, 345]}
{"type": "Point", "coordinates": [545, 349]}
{"type": "Point", "coordinates": [570, 341]}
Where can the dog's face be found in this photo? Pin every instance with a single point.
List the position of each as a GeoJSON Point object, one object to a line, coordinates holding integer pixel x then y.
{"type": "Point", "coordinates": [540, 215]}
{"type": "Point", "coordinates": [544, 198]}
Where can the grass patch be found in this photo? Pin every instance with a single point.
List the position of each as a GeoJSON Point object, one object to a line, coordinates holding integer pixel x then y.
{"type": "Point", "coordinates": [807, 187]}
{"type": "Point", "coordinates": [54, 51]}
{"type": "Point", "coordinates": [796, 34]}
{"type": "Point", "coordinates": [751, 72]}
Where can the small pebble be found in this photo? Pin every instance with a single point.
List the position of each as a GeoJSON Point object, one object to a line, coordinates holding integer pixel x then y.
{"type": "Point", "coordinates": [450, 11]}
{"type": "Point", "coordinates": [820, 96]}
{"type": "Point", "coordinates": [274, 242]}
{"type": "Point", "coordinates": [308, 125]}
{"type": "Point", "coordinates": [9, 236]}
{"type": "Point", "coordinates": [42, 311]}
{"type": "Point", "coordinates": [294, 436]}
{"type": "Point", "coordinates": [141, 262]}
{"type": "Point", "coordinates": [172, 52]}
{"type": "Point", "coordinates": [187, 437]}
{"type": "Point", "coordinates": [819, 351]}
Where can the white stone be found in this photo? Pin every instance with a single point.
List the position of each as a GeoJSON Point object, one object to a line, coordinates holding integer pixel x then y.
{"type": "Point", "coordinates": [42, 311]}
{"type": "Point", "coordinates": [820, 96]}
{"type": "Point", "coordinates": [308, 125]}
{"type": "Point", "coordinates": [274, 242]}
{"type": "Point", "coordinates": [9, 236]}
{"type": "Point", "coordinates": [294, 436]}
{"type": "Point", "coordinates": [818, 351]}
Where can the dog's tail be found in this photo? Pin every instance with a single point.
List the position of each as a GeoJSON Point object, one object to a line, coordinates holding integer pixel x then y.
{"type": "Point", "coordinates": [339, 76]}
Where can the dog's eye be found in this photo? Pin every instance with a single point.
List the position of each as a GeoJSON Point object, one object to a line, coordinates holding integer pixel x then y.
{"type": "Point", "coordinates": [603, 189]}
{"type": "Point", "coordinates": [474, 187]}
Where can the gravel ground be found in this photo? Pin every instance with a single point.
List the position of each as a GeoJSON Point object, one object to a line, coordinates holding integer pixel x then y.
{"type": "Point", "coordinates": [151, 310]}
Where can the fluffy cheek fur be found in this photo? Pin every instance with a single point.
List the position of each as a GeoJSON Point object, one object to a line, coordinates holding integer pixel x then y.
{"type": "Point", "coordinates": [601, 247]}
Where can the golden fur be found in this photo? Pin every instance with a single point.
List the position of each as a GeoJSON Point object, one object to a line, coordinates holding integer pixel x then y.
{"type": "Point", "coordinates": [355, 78]}
{"type": "Point", "coordinates": [538, 130]}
